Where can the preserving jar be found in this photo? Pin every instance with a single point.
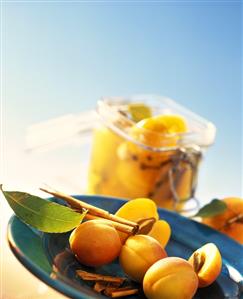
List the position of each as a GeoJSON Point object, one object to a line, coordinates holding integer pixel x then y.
{"type": "Point", "coordinates": [130, 161]}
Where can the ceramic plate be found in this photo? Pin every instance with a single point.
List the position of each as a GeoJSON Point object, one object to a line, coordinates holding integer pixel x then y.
{"type": "Point", "coordinates": [48, 256]}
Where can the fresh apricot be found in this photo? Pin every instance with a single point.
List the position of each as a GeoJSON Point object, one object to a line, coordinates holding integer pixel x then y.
{"type": "Point", "coordinates": [138, 254]}
{"type": "Point", "coordinates": [168, 278]}
{"type": "Point", "coordinates": [95, 243]}
{"type": "Point", "coordinates": [138, 209]}
{"type": "Point", "coordinates": [207, 263]}
{"type": "Point", "coordinates": [161, 231]}
{"type": "Point", "coordinates": [144, 208]}
{"type": "Point", "coordinates": [230, 222]}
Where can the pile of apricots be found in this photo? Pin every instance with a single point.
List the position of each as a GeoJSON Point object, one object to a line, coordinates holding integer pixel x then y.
{"type": "Point", "coordinates": [143, 257]}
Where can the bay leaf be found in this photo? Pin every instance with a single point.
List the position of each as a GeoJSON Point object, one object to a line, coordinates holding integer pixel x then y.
{"type": "Point", "coordinates": [42, 214]}
{"type": "Point", "coordinates": [215, 207]}
{"type": "Point", "coordinates": [139, 111]}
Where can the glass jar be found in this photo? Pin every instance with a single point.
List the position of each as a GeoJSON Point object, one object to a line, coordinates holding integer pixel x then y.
{"type": "Point", "coordinates": [130, 161]}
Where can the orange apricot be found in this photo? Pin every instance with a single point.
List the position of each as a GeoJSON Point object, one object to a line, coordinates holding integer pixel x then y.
{"type": "Point", "coordinates": [168, 278]}
{"type": "Point", "coordinates": [136, 210]}
{"type": "Point", "coordinates": [161, 231]}
{"type": "Point", "coordinates": [95, 243]}
{"type": "Point", "coordinates": [138, 254]}
{"type": "Point", "coordinates": [207, 263]}
{"type": "Point", "coordinates": [144, 208]}
{"type": "Point", "coordinates": [230, 222]}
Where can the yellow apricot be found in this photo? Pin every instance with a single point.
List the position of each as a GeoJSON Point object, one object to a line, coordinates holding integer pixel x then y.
{"type": "Point", "coordinates": [207, 263]}
{"type": "Point", "coordinates": [142, 208]}
{"type": "Point", "coordinates": [95, 243]}
{"type": "Point", "coordinates": [159, 130]}
{"type": "Point", "coordinates": [135, 210]}
{"type": "Point", "coordinates": [229, 222]}
{"type": "Point", "coordinates": [171, 277]}
{"type": "Point", "coordinates": [138, 254]}
{"type": "Point", "coordinates": [167, 124]}
{"type": "Point", "coordinates": [138, 209]}
{"type": "Point", "coordinates": [161, 231]}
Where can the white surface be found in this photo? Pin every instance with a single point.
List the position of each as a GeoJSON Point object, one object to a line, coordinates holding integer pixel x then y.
{"type": "Point", "coordinates": [63, 170]}
{"type": "Point", "coordinates": [17, 282]}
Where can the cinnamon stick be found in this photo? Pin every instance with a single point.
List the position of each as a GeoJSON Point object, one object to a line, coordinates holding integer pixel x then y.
{"type": "Point", "coordinates": [100, 286]}
{"type": "Point", "coordinates": [118, 226]}
{"type": "Point", "coordinates": [99, 277]}
{"type": "Point", "coordinates": [121, 292]}
{"type": "Point", "coordinates": [78, 204]}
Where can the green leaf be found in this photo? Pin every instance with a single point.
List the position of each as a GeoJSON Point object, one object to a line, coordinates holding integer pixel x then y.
{"type": "Point", "coordinates": [139, 111]}
{"type": "Point", "coordinates": [42, 214]}
{"type": "Point", "coordinates": [215, 207]}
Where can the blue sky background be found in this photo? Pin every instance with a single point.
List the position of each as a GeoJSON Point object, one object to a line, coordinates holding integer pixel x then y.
{"type": "Point", "coordinates": [61, 57]}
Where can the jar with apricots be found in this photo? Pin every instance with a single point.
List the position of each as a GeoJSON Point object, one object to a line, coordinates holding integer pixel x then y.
{"type": "Point", "coordinates": [148, 147]}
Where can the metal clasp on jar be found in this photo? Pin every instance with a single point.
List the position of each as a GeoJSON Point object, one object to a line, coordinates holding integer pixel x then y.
{"type": "Point", "coordinates": [189, 156]}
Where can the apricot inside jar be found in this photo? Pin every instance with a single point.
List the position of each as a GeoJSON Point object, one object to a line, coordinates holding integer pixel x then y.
{"type": "Point", "coordinates": [156, 157]}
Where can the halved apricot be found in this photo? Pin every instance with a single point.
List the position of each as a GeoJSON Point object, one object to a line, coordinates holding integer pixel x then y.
{"type": "Point", "coordinates": [136, 210]}
{"type": "Point", "coordinates": [161, 231]}
{"type": "Point", "coordinates": [207, 264]}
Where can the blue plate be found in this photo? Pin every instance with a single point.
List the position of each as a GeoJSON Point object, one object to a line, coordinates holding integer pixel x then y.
{"type": "Point", "coordinates": [48, 256]}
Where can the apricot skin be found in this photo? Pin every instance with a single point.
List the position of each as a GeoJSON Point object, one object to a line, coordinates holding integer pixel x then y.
{"type": "Point", "coordinates": [95, 243]}
{"type": "Point", "coordinates": [211, 264]}
{"type": "Point", "coordinates": [171, 277]}
{"type": "Point", "coordinates": [138, 254]}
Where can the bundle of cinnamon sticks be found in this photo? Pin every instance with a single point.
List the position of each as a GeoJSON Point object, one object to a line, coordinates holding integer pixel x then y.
{"type": "Point", "coordinates": [108, 285]}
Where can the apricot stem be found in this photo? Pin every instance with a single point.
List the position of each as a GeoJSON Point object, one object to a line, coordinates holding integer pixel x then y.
{"type": "Point", "coordinates": [230, 221]}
